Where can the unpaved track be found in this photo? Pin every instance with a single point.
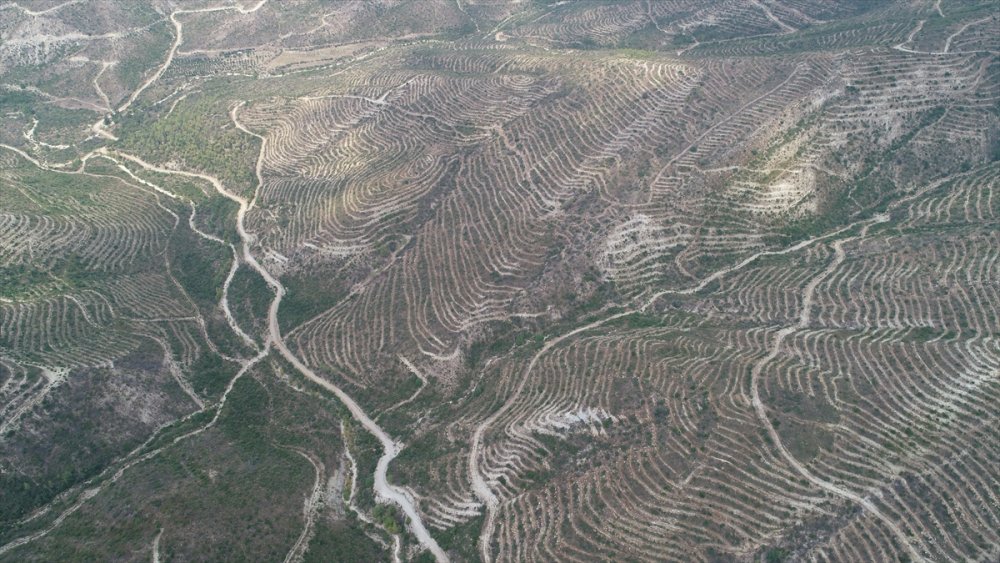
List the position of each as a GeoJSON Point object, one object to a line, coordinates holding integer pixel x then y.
{"type": "Point", "coordinates": [770, 15]}
{"type": "Point", "coordinates": [761, 410]}
{"type": "Point", "coordinates": [36, 13]}
{"type": "Point", "coordinates": [390, 448]}
{"type": "Point", "coordinates": [423, 383]}
{"type": "Point", "coordinates": [947, 42]}
{"type": "Point", "coordinates": [479, 485]}
{"type": "Point", "coordinates": [313, 504]}
{"type": "Point", "coordinates": [156, 546]}
{"type": "Point", "coordinates": [178, 39]}
{"type": "Point", "coordinates": [128, 461]}
{"type": "Point", "coordinates": [274, 338]}
{"type": "Point", "coordinates": [224, 300]}
{"type": "Point", "coordinates": [485, 494]}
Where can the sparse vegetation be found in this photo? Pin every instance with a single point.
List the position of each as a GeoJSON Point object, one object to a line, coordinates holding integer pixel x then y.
{"type": "Point", "coordinates": [610, 280]}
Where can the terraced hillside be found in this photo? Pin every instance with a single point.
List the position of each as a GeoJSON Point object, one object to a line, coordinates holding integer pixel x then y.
{"type": "Point", "coordinates": [652, 280]}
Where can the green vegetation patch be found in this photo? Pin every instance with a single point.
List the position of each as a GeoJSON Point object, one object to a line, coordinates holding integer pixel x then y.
{"type": "Point", "coordinates": [249, 299]}
{"type": "Point", "coordinates": [210, 374]}
{"type": "Point", "coordinates": [87, 424]}
{"type": "Point", "coordinates": [343, 541]}
{"type": "Point", "coordinates": [460, 541]}
{"type": "Point", "coordinates": [200, 266]}
{"type": "Point", "coordinates": [231, 493]}
{"type": "Point", "coordinates": [200, 135]}
{"type": "Point", "coordinates": [22, 280]}
{"type": "Point", "coordinates": [35, 190]}
{"type": "Point", "coordinates": [307, 296]}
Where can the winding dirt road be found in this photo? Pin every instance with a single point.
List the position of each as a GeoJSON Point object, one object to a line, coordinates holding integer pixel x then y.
{"type": "Point", "coordinates": [486, 495]}
{"type": "Point", "coordinates": [274, 339]}
{"type": "Point", "coordinates": [761, 410]}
